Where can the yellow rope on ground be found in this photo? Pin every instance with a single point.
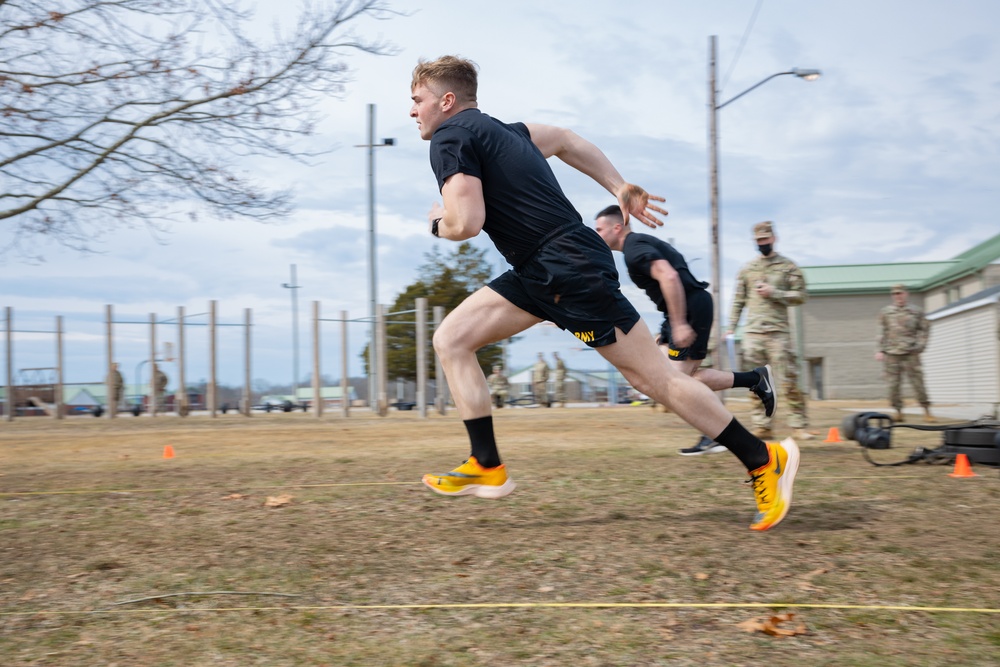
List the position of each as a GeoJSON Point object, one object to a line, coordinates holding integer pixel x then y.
{"type": "Point", "coordinates": [529, 605]}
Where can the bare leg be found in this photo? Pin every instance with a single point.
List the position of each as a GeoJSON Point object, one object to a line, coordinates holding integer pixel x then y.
{"type": "Point", "coordinates": [637, 357]}
{"type": "Point", "coordinates": [483, 318]}
{"type": "Point", "coordinates": [714, 379]}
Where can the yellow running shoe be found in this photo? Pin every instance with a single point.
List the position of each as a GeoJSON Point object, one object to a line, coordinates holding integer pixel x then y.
{"type": "Point", "coordinates": [772, 484]}
{"type": "Point", "coordinates": [472, 479]}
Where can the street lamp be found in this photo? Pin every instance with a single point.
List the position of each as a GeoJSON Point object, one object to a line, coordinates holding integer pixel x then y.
{"type": "Point", "coordinates": [372, 284]}
{"type": "Point", "coordinates": [713, 156]}
{"type": "Point", "coordinates": [295, 335]}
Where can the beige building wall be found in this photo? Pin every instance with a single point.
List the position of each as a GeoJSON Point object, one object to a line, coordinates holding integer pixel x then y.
{"type": "Point", "coordinates": [839, 346]}
{"type": "Point", "coordinates": [939, 297]}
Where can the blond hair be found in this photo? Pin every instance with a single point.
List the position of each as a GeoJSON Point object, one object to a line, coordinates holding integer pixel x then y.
{"type": "Point", "coordinates": [448, 74]}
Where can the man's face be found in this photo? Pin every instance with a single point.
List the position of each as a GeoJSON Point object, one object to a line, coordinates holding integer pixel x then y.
{"type": "Point", "coordinates": [610, 229]}
{"type": "Point", "coordinates": [899, 298]}
{"type": "Point", "coordinates": [428, 109]}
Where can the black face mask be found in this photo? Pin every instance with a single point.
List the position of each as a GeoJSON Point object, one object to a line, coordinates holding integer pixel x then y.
{"type": "Point", "coordinates": [765, 249]}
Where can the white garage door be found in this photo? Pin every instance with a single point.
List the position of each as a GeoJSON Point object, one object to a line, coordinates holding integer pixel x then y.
{"type": "Point", "coordinates": [962, 359]}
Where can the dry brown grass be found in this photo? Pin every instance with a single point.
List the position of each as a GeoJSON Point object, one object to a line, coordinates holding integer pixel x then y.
{"type": "Point", "coordinates": [605, 513]}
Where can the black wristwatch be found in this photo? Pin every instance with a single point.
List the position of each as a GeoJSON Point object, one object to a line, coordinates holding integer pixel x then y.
{"type": "Point", "coordinates": [434, 226]}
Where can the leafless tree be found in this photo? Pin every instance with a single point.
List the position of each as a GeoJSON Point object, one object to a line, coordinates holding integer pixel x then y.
{"type": "Point", "coordinates": [131, 112]}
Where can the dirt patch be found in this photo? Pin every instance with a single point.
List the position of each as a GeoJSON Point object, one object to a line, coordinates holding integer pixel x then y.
{"type": "Point", "coordinates": [606, 514]}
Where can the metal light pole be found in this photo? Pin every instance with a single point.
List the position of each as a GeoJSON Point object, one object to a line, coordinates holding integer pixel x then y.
{"type": "Point", "coordinates": [293, 286]}
{"type": "Point", "coordinates": [713, 161]}
{"type": "Point", "coordinates": [373, 359]}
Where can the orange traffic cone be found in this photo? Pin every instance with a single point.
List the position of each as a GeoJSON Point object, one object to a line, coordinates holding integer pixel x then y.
{"type": "Point", "coordinates": [168, 452]}
{"type": "Point", "coordinates": [962, 467]}
{"type": "Point", "coordinates": [833, 435]}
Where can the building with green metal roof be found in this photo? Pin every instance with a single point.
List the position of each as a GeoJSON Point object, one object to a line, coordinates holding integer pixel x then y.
{"type": "Point", "coordinates": [868, 278]}
{"type": "Point", "coordinates": [838, 326]}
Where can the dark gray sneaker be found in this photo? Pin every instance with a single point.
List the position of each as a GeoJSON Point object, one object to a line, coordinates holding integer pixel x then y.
{"type": "Point", "coordinates": [766, 390]}
{"type": "Point", "coordinates": [705, 446]}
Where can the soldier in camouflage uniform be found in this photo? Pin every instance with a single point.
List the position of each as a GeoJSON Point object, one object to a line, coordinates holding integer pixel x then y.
{"type": "Point", "coordinates": [902, 336]}
{"type": "Point", "coordinates": [160, 381]}
{"type": "Point", "coordinates": [499, 386]}
{"type": "Point", "coordinates": [540, 381]}
{"type": "Point", "coordinates": [117, 386]}
{"type": "Point", "coordinates": [559, 381]}
{"type": "Point", "coordinates": [766, 287]}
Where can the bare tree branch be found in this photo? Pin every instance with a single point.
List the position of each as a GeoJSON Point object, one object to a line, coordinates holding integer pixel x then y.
{"type": "Point", "coordinates": [124, 112]}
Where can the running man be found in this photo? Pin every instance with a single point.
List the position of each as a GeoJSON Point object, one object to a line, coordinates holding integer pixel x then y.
{"type": "Point", "coordinates": [494, 177]}
{"type": "Point", "coordinates": [661, 271]}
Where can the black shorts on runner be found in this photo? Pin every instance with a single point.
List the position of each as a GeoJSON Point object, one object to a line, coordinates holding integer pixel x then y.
{"type": "Point", "coordinates": [699, 315]}
{"type": "Point", "coordinates": [571, 281]}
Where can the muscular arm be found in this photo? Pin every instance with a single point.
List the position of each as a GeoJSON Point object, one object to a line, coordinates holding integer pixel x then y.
{"type": "Point", "coordinates": [464, 211]}
{"type": "Point", "coordinates": [672, 290]}
{"type": "Point", "coordinates": [587, 158]}
{"type": "Point", "coordinates": [578, 153]}
{"type": "Point", "coordinates": [681, 333]}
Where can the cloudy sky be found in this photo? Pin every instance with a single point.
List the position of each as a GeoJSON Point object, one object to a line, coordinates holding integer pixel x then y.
{"type": "Point", "coordinates": [893, 155]}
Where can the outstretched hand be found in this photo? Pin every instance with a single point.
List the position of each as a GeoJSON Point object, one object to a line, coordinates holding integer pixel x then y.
{"type": "Point", "coordinates": [635, 201]}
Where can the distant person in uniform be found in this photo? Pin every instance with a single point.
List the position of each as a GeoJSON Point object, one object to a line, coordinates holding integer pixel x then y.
{"type": "Point", "coordinates": [117, 386]}
{"type": "Point", "coordinates": [499, 386]}
{"type": "Point", "coordinates": [559, 381]}
{"type": "Point", "coordinates": [183, 403]}
{"type": "Point", "coordinates": [661, 271]}
{"type": "Point", "coordinates": [540, 381]}
{"type": "Point", "coordinates": [902, 336]}
{"type": "Point", "coordinates": [766, 287]}
{"type": "Point", "coordinates": [160, 387]}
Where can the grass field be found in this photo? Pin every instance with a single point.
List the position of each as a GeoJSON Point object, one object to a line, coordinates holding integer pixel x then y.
{"type": "Point", "coordinates": [612, 551]}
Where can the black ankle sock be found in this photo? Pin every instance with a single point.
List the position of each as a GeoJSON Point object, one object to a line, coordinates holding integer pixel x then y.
{"type": "Point", "coordinates": [484, 444]}
{"type": "Point", "coordinates": [747, 447]}
{"type": "Point", "coordinates": [747, 379]}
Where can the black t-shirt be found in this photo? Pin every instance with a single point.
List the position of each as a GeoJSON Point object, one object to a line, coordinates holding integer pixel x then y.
{"type": "Point", "coordinates": [641, 250]}
{"type": "Point", "coordinates": [524, 202]}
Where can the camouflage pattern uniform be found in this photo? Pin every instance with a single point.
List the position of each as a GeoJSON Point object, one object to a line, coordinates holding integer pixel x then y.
{"type": "Point", "coordinates": [766, 334]}
{"type": "Point", "coordinates": [539, 381]}
{"type": "Point", "coordinates": [902, 337]}
{"type": "Point", "coordinates": [118, 386]}
{"type": "Point", "coordinates": [559, 381]}
{"type": "Point", "coordinates": [160, 388]}
{"type": "Point", "coordinates": [499, 387]}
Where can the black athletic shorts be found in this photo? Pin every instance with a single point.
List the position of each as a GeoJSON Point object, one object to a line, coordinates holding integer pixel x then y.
{"type": "Point", "coordinates": [699, 315]}
{"type": "Point", "coordinates": [571, 281]}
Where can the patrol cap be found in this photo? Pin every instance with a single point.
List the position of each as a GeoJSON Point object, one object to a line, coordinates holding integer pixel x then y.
{"type": "Point", "coordinates": [899, 288]}
{"type": "Point", "coordinates": [763, 230]}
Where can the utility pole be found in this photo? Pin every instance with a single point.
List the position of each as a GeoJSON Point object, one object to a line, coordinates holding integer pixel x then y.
{"type": "Point", "coordinates": [713, 166]}
{"type": "Point", "coordinates": [293, 286]}
{"type": "Point", "coordinates": [373, 354]}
